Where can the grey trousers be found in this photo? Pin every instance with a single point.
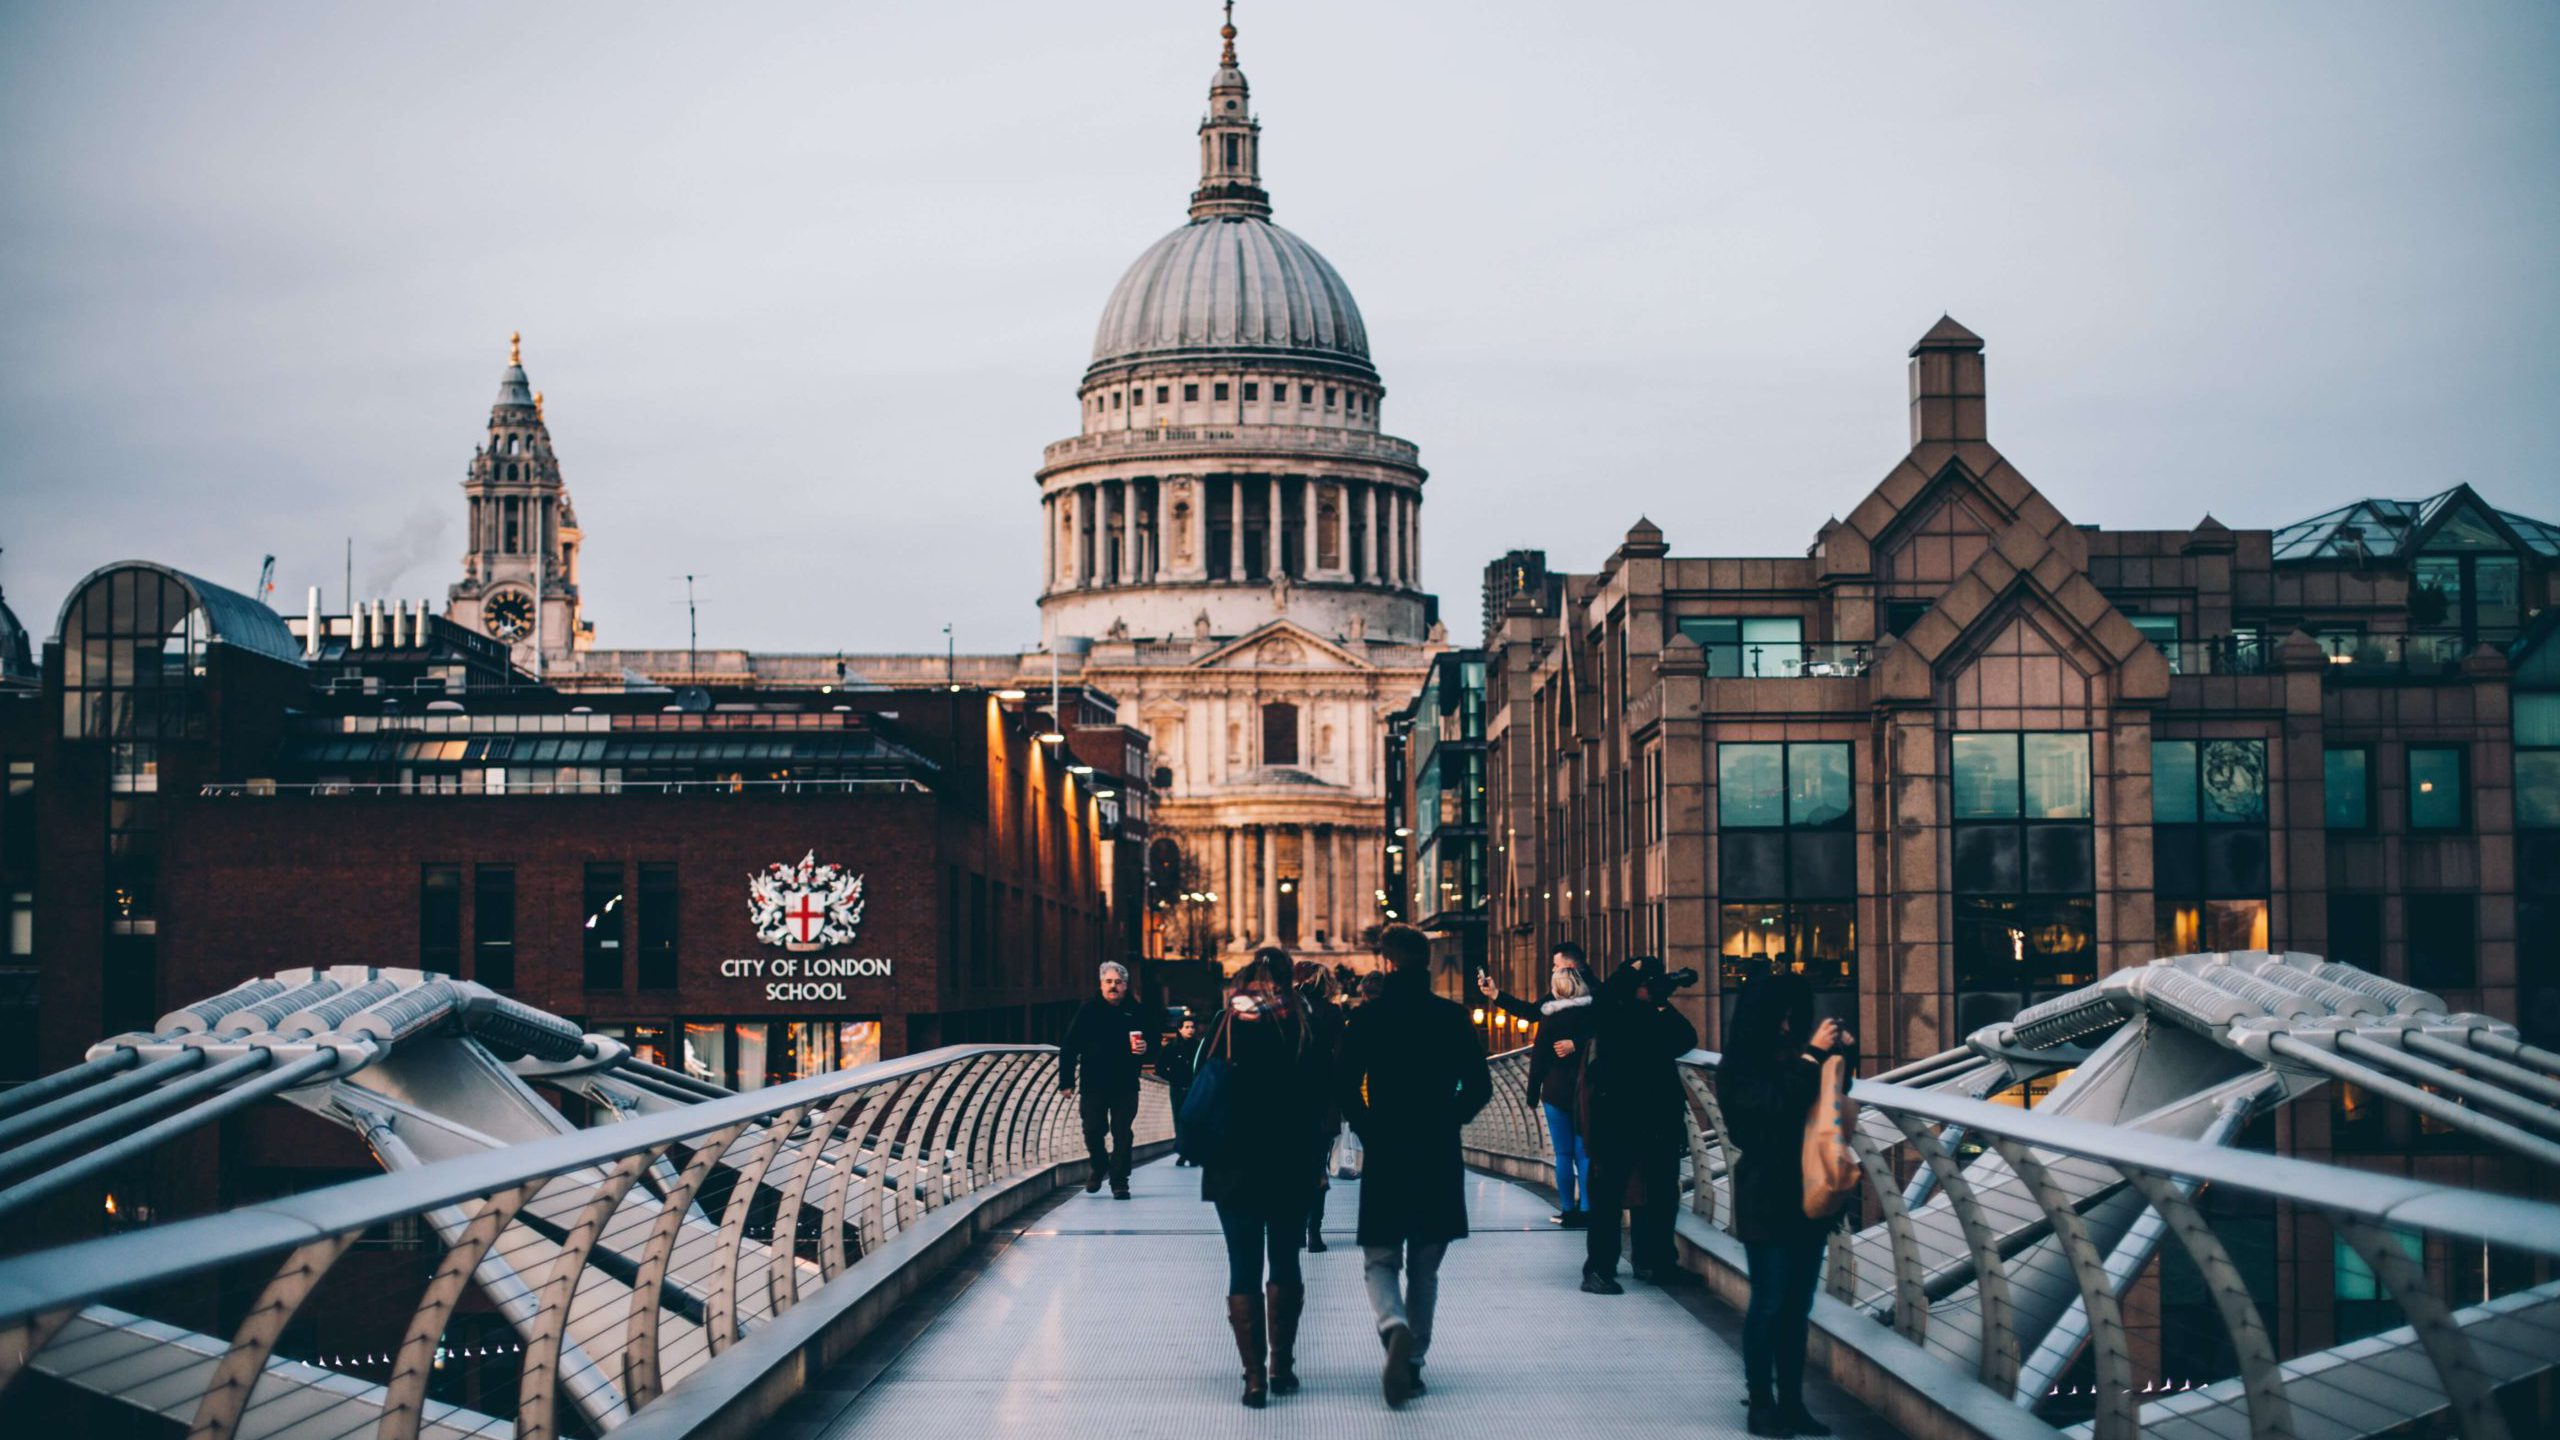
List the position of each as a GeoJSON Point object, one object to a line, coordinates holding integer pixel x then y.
{"type": "Point", "coordinates": [1411, 1302]}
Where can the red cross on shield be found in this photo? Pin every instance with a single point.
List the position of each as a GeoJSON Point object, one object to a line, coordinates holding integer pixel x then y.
{"type": "Point", "coordinates": [804, 915]}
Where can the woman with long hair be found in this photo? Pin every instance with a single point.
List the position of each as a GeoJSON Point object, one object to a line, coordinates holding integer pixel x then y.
{"type": "Point", "coordinates": [1768, 1081]}
{"type": "Point", "coordinates": [1260, 1176]}
{"type": "Point", "coordinates": [1557, 1049]}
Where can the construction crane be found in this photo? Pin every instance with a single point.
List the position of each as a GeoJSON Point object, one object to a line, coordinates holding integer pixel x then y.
{"type": "Point", "coordinates": [266, 581]}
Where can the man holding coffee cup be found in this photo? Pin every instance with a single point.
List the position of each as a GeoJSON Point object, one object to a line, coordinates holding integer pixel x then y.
{"type": "Point", "coordinates": [1111, 1040]}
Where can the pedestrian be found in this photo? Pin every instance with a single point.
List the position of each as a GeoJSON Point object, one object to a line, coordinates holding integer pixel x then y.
{"type": "Point", "coordinates": [1767, 1083]}
{"type": "Point", "coordinates": [1318, 990]}
{"type": "Point", "coordinates": [1175, 1067]}
{"type": "Point", "coordinates": [1111, 1040]}
{"type": "Point", "coordinates": [1557, 1050]}
{"type": "Point", "coordinates": [1258, 1176]}
{"type": "Point", "coordinates": [1633, 1119]}
{"type": "Point", "coordinates": [1410, 1076]}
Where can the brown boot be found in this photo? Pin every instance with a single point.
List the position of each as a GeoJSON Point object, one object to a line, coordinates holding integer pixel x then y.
{"type": "Point", "coordinates": [1286, 1303]}
{"type": "Point", "coordinates": [1244, 1317]}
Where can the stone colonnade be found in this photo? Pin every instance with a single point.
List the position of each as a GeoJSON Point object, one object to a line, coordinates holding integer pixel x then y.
{"type": "Point", "coordinates": [1323, 877]}
{"type": "Point", "coordinates": [1137, 532]}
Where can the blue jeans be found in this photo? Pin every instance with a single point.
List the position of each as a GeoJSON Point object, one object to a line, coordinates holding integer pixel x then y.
{"type": "Point", "coordinates": [1252, 1231]}
{"type": "Point", "coordinates": [1775, 1323]}
{"type": "Point", "coordinates": [1573, 1159]}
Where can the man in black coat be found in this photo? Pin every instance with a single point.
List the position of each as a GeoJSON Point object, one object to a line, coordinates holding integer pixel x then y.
{"type": "Point", "coordinates": [1634, 1117]}
{"type": "Point", "coordinates": [1177, 1065]}
{"type": "Point", "coordinates": [1410, 1076]}
{"type": "Point", "coordinates": [1111, 1039]}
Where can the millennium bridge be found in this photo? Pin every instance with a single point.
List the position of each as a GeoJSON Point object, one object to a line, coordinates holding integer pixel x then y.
{"type": "Point", "coordinates": [569, 1241]}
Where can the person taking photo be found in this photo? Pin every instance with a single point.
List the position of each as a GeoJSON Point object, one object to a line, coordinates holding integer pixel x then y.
{"type": "Point", "coordinates": [1557, 1049]}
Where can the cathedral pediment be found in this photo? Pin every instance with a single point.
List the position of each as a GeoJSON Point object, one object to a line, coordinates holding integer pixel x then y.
{"type": "Point", "coordinates": [1281, 645]}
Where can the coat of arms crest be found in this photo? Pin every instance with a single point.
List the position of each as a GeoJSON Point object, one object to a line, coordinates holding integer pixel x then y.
{"type": "Point", "coordinates": [804, 906]}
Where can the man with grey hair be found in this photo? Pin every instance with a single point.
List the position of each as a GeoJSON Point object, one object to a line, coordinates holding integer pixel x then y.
{"type": "Point", "coordinates": [1111, 1040]}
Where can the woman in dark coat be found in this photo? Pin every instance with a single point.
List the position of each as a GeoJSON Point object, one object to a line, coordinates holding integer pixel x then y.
{"type": "Point", "coordinates": [1557, 1050]}
{"type": "Point", "coordinates": [1635, 1120]}
{"type": "Point", "coordinates": [1318, 990]}
{"type": "Point", "coordinates": [1768, 1081]}
{"type": "Point", "coordinates": [1259, 1177]}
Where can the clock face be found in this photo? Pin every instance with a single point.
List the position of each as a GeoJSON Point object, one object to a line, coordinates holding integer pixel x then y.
{"type": "Point", "coordinates": [508, 615]}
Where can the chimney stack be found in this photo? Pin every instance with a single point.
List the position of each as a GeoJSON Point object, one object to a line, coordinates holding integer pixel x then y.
{"type": "Point", "coordinates": [1946, 385]}
{"type": "Point", "coordinates": [311, 626]}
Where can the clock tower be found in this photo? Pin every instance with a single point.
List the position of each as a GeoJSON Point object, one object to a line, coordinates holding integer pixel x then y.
{"type": "Point", "coordinates": [520, 575]}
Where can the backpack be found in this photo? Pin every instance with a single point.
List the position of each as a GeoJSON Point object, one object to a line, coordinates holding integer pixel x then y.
{"type": "Point", "coordinates": [1831, 1172]}
{"type": "Point", "coordinates": [1208, 1107]}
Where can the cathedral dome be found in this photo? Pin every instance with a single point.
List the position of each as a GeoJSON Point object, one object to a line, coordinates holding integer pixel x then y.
{"type": "Point", "coordinates": [1228, 284]}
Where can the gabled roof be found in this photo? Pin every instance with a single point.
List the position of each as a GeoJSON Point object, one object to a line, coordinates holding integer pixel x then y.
{"type": "Point", "coordinates": [2378, 529]}
{"type": "Point", "coordinates": [1327, 653]}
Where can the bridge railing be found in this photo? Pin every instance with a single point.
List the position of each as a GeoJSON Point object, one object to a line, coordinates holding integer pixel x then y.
{"type": "Point", "coordinates": [556, 1287]}
{"type": "Point", "coordinates": [2057, 1264]}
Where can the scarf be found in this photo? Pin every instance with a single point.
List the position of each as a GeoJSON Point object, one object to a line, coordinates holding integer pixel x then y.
{"type": "Point", "coordinates": [1554, 1006]}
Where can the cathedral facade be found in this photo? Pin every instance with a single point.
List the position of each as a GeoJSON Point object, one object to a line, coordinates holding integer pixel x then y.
{"type": "Point", "coordinates": [1231, 553]}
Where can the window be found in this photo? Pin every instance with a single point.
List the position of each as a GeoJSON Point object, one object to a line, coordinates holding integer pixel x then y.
{"type": "Point", "coordinates": [2162, 632]}
{"type": "Point", "coordinates": [603, 926]}
{"type": "Point", "coordinates": [1306, 394]}
{"type": "Point", "coordinates": [2346, 779]}
{"type": "Point", "coordinates": [440, 919]}
{"type": "Point", "coordinates": [1190, 393]}
{"type": "Point", "coordinates": [2210, 871]}
{"type": "Point", "coordinates": [1164, 394]}
{"type": "Point", "coordinates": [2537, 740]}
{"type": "Point", "coordinates": [2437, 793]}
{"type": "Point", "coordinates": [18, 819]}
{"type": "Point", "coordinates": [19, 943]}
{"type": "Point", "coordinates": [1218, 391]}
{"type": "Point", "coordinates": [1252, 390]}
{"type": "Point", "coordinates": [1744, 646]}
{"type": "Point", "coordinates": [1901, 615]}
{"type": "Point", "coordinates": [493, 926]}
{"type": "Point", "coordinates": [2025, 872]}
{"type": "Point", "coordinates": [1328, 397]}
{"type": "Point", "coordinates": [2355, 930]}
{"type": "Point", "coordinates": [133, 647]}
{"type": "Point", "coordinates": [2361, 1304]}
{"type": "Point", "coordinates": [2442, 948]}
{"type": "Point", "coordinates": [1787, 863]}
{"type": "Point", "coordinates": [657, 959]}
{"type": "Point", "coordinates": [1115, 399]}
{"type": "Point", "coordinates": [1279, 733]}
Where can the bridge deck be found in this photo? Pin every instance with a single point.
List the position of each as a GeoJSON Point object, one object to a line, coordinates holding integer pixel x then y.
{"type": "Point", "coordinates": [1105, 1317]}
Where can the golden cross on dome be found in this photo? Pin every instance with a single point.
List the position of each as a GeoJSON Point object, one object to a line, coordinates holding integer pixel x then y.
{"type": "Point", "coordinates": [515, 347]}
{"type": "Point", "coordinates": [1227, 32]}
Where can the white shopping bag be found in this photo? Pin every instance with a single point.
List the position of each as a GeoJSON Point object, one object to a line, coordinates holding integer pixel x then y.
{"type": "Point", "coordinates": [1346, 1156]}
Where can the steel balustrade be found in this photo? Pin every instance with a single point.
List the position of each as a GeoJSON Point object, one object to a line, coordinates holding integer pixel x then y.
{"type": "Point", "coordinates": [1987, 1245]}
{"type": "Point", "coordinates": [622, 1280]}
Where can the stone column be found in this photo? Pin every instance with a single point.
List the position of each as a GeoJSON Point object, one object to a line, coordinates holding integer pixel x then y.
{"type": "Point", "coordinates": [1163, 562]}
{"type": "Point", "coordinates": [1310, 553]}
{"type": "Point", "coordinates": [1367, 564]}
{"type": "Point", "coordinates": [1230, 886]}
{"type": "Point", "coordinates": [1077, 509]}
{"type": "Point", "coordinates": [1413, 538]}
{"type": "Point", "coordinates": [1048, 543]}
{"type": "Point", "coordinates": [1389, 557]}
{"type": "Point", "coordinates": [1270, 882]}
{"type": "Point", "coordinates": [1235, 534]}
{"type": "Point", "coordinates": [1271, 533]}
{"type": "Point", "coordinates": [1129, 546]}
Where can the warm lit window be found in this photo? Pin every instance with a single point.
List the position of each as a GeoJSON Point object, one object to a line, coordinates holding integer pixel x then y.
{"type": "Point", "coordinates": [2437, 796]}
{"type": "Point", "coordinates": [2025, 872]}
{"type": "Point", "coordinates": [1787, 873]}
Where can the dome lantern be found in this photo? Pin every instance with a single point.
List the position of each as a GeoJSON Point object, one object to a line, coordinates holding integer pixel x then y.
{"type": "Point", "coordinates": [1230, 142]}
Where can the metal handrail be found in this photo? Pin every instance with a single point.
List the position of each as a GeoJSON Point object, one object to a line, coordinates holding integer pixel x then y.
{"type": "Point", "coordinates": [861, 1154]}
{"type": "Point", "coordinates": [1957, 1250]}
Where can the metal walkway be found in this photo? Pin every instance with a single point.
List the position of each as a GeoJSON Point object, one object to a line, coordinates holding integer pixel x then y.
{"type": "Point", "coordinates": [1105, 1317]}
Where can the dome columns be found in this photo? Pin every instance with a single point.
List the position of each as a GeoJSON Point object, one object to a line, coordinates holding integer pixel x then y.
{"type": "Point", "coordinates": [1189, 529]}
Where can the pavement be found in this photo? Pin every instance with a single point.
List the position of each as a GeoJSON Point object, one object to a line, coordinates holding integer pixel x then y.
{"type": "Point", "coordinates": [1103, 1317]}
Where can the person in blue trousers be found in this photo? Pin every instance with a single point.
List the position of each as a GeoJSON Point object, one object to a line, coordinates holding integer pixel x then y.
{"type": "Point", "coordinates": [1560, 1045]}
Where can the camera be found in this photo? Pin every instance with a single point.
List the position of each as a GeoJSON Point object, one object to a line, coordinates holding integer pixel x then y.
{"type": "Point", "coordinates": [1680, 979]}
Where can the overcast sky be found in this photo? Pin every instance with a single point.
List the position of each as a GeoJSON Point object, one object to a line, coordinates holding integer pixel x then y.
{"type": "Point", "coordinates": [808, 287]}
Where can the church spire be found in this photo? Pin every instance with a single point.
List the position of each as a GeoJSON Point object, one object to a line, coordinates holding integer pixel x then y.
{"type": "Point", "coordinates": [1230, 142]}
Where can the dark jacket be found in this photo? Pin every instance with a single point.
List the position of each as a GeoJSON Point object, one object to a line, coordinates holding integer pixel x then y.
{"type": "Point", "coordinates": [1554, 1081]}
{"type": "Point", "coordinates": [1409, 1077]}
{"type": "Point", "coordinates": [1176, 1061]}
{"type": "Point", "coordinates": [1275, 1098]}
{"type": "Point", "coordinates": [1632, 1107]}
{"type": "Point", "coordinates": [1765, 1102]}
{"type": "Point", "coordinates": [1098, 1043]}
{"type": "Point", "coordinates": [1325, 1019]}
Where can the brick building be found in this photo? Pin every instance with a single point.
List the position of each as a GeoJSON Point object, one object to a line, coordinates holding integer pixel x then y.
{"type": "Point", "coordinates": [1964, 753]}
{"type": "Point", "coordinates": [217, 793]}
